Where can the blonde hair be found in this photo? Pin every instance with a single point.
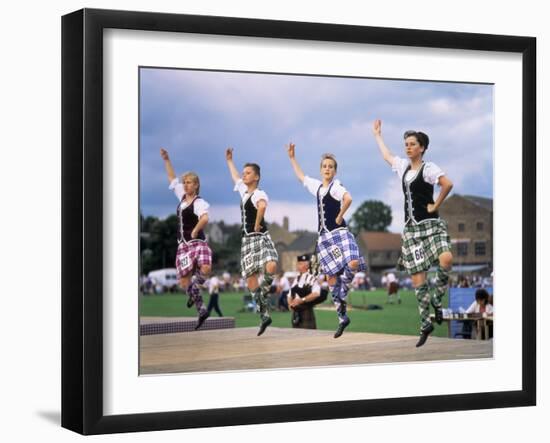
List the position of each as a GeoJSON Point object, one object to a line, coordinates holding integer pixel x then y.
{"type": "Point", "coordinates": [331, 157]}
{"type": "Point", "coordinates": [194, 177]}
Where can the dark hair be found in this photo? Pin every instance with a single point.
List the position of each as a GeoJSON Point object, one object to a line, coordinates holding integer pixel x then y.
{"type": "Point", "coordinates": [422, 139]}
{"type": "Point", "coordinates": [482, 295]}
{"type": "Point", "coordinates": [255, 167]}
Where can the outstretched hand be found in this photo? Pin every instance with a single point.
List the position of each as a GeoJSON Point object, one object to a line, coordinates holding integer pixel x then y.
{"type": "Point", "coordinates": [290, 148]}
{"type": "Point", "coordinates": [377, 127]}
{"type": "Point", "coordinates": [164, 154]}
{"type": "Point", "coordinates": [229, 154]}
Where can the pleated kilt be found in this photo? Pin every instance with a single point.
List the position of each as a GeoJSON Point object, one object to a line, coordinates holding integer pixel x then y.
{"type": "Point", "coordinates": [256, 251]}
{"type": "Point", "coordinates": [422, 244]}
{"type": "Point", "coordinates": [337, 248]}
{"type": "Point", "coordinates": [191, 254]}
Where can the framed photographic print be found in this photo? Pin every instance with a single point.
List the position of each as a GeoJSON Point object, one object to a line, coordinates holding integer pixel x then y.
{"type": "Point", "coordinates": [261, 218]}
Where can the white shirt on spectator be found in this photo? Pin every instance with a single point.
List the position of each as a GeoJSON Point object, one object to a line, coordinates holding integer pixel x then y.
{"type": "Point", "coordinates": [213, 285]}
{"type": "Point", "coordinates": [474, 308]}
{"type": "Point", "coordinates": [337, 191]}
{"type": "Point", "coordinates": [431, 173]}
{"type": "Point", "coordinates": [200, 207]}
{"type": "Point", "coordinates": [307, 279]}
{"type": "Point", "coordinates": [257, 194]}
{"type": "Point", "coordinates": [284, 284]}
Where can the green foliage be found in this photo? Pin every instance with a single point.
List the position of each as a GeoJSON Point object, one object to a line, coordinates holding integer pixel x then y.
{"type": "Point", "coordinates": [372, 215]}
{"type": "Point", "coordinates": [158, 243]}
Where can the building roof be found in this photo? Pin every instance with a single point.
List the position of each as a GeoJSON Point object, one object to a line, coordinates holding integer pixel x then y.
{"type": "Point", "coordinates": [280, 235]}
{"type": "Point", "coordinates": [485, 203]}
{"type": "Point", "coordinates": [304, 241]}
{"type": "Point", "coordinates": [381, 241]}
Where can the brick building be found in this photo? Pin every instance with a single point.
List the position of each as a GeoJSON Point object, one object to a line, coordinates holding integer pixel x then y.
{"type": "Point", "coordinates": [304, 243]}
{"type": "Point", "coordinates": [380, 249]}
{"type": "Point", "coordinates": [470, 221]}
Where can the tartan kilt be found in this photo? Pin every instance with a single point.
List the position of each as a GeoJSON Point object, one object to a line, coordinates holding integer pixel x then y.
{"type": "Point", "coordinates": [192, 253]}
{"type": "Point", "coordinates": [422, 244]}
{"type": "Point", "coordinates": [336, 249]}
{"type": "Point", "coordinates": [256, 251]}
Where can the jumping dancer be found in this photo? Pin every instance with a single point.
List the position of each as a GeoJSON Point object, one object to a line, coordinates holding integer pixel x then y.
{"type": "Point", "coordinates": [337, 249]}
{"type": "Point", "coordinates": [425, 239]}
{"type": "Point", "coordinates": [194, 256]}
{"type": "Point", "coordinates": [258, 254]}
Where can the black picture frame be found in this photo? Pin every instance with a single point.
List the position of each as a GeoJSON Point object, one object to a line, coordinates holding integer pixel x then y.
{"type": "Point", "coordinates": [82, 218]}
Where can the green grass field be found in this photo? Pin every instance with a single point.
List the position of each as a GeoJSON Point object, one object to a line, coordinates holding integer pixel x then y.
{"type": "Point", "coordinates": [402, 319]}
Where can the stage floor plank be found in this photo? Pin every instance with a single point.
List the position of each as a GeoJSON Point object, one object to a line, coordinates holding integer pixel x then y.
{"type": "Point", "coordinates": [241, 349]}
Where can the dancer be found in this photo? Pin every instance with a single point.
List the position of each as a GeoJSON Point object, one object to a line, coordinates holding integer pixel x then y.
{"type": "Point", "coordinates": [258, 254]}
{"type": "Point", "coordinates": [337, 249]}
{"type": "Point", "coordinates": [425, 239]}
{"type": "Point", "coordinates": [194, 256]}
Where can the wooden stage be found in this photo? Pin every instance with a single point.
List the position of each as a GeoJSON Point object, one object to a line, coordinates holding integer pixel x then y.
{"type": "Point", "coordinates": [240, 349]}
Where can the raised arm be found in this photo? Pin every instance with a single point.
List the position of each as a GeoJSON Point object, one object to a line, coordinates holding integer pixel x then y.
{"type": "Point", "coordinates": [168, 165]}
{"type": "Point", "coordinates": [290, 148]}
{"type": "Point", "coordinates": [446, 186]}
{"type": "Point", "coordinates": [231, 165]}
{"type": "Point", "coordinates": [384, 150]}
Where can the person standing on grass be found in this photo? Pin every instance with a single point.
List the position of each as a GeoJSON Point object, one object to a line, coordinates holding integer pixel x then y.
{"type": "Point", "coordinates": [193, 256]}
{"type": "Point", "coordinates": [337, 249]}
{"type": "Point", "coordinates": [214, 291]}
{"type": "Point", "coordinates": [393, 288]}
{"type": "Point", "coordinates": [258, 253]}
{"type": "Point", "coordinates": [425, 239]}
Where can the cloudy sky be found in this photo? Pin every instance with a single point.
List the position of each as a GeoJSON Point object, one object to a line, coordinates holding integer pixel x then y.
{"type": "Point", "coordinates": [195, 115]}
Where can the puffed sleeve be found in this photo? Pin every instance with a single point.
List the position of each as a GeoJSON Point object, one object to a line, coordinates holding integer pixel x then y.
{"type": "Point", "coordinates": [200, 207]}
{"type": "Point", "coordinates": [177, 187]}
{"type": "Point", "coordinates": [399, 166]}
{"type": "Point", "coordinates": [312, 184]}
{"type": "Point", "coordinates": [257, 196]}
{"type": "Point", "coordinates": [240, 187]}
{"type": "Point", "coordinates": [432, 172]}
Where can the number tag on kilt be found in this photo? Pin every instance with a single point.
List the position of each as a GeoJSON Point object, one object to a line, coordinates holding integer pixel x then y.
{"type": "Point", "coordinates": [418, 254]}
{"type": "Point", "coordinates": [248, 261]}
{"type": "Point", "coordinates": [184, 260]}
{"type": "Point", "coordinates": [336, 253]}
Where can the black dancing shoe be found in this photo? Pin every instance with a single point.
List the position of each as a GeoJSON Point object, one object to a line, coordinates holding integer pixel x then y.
{"type": "Point", "coordinates": [190, 302]}
{"type": "Point", "coordinates": [202, 319]}
{"type": "Point", "coordinates": [263, 326]}
{"type": "Point", "coordinates": [341, 327]}
{"type": "Point", "coordinates": [424, 335]}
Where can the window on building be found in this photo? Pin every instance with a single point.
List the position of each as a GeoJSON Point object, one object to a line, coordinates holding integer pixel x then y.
{"type": "Point", "coordinates": [461, 227]}
{"type": "Point", "coordinates": [374, 254]}
{"type": "Point", "coordinates": [480, 248]}
{"type": "Point", "coordinates": [462, 249]}
{"type": "Point", "coordinates": [388, 255]}
{"type": "Point", "coordinates": [479, 226]}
